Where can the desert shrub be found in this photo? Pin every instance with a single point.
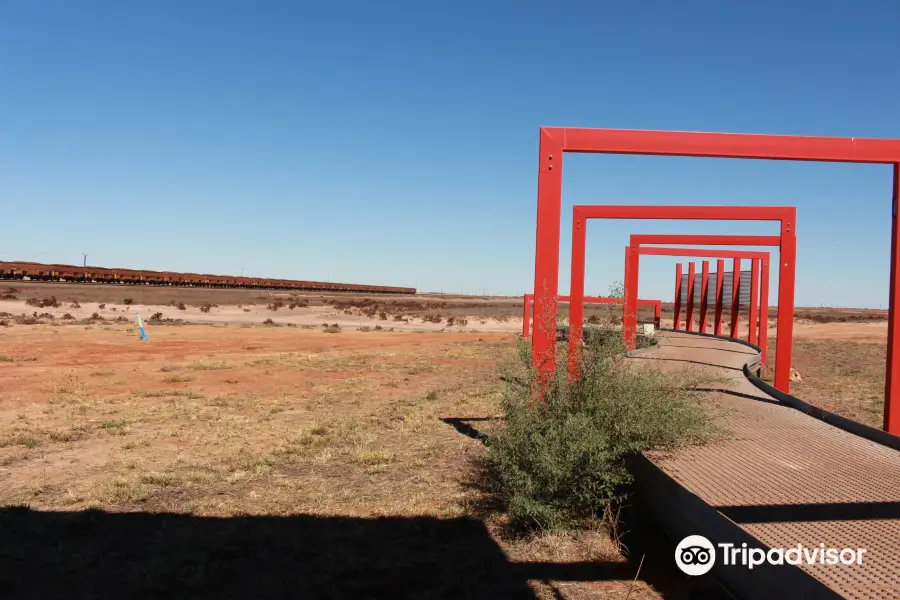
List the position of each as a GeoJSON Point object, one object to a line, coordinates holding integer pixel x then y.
{"type": "Point", "coordinates": [8, 296]}
{"type": "Point", "coordinates": [4, 323]}
{"type": "Point", "coordinates": [332, 330]}
{"type": "Point", "coordinates": [45, 315]}
{"type": "Point", "coordinates": [593, 320]}
{"type": "Point", "coordinates": [399, 318]}
{"type": "Point", "coordinates": [128, 301]}
{"type": "Point", "coordinates": [364, 328]}
{"type": "Point", "coordinates": [382, 315]}
{"type": "Point", "coordinates": [459, 321]}
{"type": "Point", "coordinates": [96, 317]}
{"type": "Point", "coordinates": [205, 308]}
{"type": "Point", "coordinates": [181, 306]}
{"type": "Point", "coordinates": [246, 310]}
{"type": "Point", "coordinates": [378, 328]}
{"type": "Point", "coordinates": [268, 322]}
{"type": "Point", "coordinates": [431, 319]}
{"type": "Point", "coordinates": [52, 302]}
{"type": "Point", "coordinates": [123, 319]}
{"type": "Point", "coordinates": [102, 306]}
{"type": "Point", "coordinates": [275, 305]}
{"type": "Point", "coordinates": [68, 317]}
{"type": "Point", "coordinates": [76, 304]}
{"type": "Point", "coordinates": [156, 316]}
{"type": "Point", "coordinates": [564, 462]}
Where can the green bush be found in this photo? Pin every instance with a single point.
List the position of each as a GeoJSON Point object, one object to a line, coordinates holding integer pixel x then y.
{"type": "Point", "coordinates": [562, 462]}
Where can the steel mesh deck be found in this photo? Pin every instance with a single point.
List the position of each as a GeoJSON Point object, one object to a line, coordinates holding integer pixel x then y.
{"type": "Point", "coordinates": [788, 478]}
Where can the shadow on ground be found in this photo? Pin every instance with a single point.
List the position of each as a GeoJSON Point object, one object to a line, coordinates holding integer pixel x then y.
{"type": "Point", "coordinates": [94, 554]}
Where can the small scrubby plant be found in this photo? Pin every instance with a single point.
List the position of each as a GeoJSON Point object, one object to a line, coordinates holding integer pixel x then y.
{"type": "Point", "coordinates": [561, 458]}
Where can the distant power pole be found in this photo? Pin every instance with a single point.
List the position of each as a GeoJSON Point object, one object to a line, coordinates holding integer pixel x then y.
{"type": "Point", "coordinates": [84, 254]}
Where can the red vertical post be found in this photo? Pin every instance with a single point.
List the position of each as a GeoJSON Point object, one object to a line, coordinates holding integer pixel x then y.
{"type": "Point", "coordinates": [704, 295]}
{"type": "Point", "coordinates": [546, 260]}
{"type": "Point", "coordinates": [626, 281]}
{"type": "Point", "coordinates": [754, 300]}
{"type": "Point", "coordinates": [657, 314]}
{"type": "Point", "coordinates": [576, 292]}
{"type": "Point", "coordinates": [892, 377]}
{"type": "Point", "coordinates": [764, 310]}
{"type": "Point", "coordinates": [786, 273]}
{"type": "Point", "coordinates": [677, 306]}
{"type": "Point", "coordinates": [735, 297]}
{"type": "Point", "coordinates": [630, 311]}
{"type": "Point", "coordinates": [629, 291]}
{"type": "Point", "coordinates": [720, 287]}
{"type": "Point", "coordinates": [689, 313]}
{"type": "Point", "coordinates": [526, 315]}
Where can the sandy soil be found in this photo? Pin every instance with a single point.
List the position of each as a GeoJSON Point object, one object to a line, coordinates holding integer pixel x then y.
{"type": "Point", "coordinates": [231, 417]}
{"type": "Point", "coordinates": [323, 431]}
{"type": "Point", "coordinates": [258, 313]}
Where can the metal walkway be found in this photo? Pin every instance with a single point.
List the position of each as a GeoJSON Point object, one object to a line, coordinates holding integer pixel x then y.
{"type": "Point", "coordinates": [777, 478]}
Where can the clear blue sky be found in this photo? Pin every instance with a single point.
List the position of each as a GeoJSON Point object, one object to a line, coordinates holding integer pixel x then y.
{"type": "Point", "coordinates": [396, 142]}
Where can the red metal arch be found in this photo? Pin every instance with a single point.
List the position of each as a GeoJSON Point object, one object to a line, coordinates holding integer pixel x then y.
{"type": "Point", "coordinates": [759, 290]}
{"type": "Point", "coordinates": [785, 215]}
{"type": "Point", "coordinates": [555, 141]}
{"type": "Point", "coordinates": [639, 239]}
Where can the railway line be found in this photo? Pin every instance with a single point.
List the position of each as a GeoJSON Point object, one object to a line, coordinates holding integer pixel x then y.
{"type": "Point", "coordinates": [29, 271]}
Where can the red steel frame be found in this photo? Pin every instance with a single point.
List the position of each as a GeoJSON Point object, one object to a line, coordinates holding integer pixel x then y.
{"type": "Point", "coordinates": [759, 298]}
{"type": "Point", "coordinates": [555, 141]}
{"type": "Point", "coordinates": [529, 300]}
{"type": "Point", "coordinates": [632, 274]}
{"type": "Point", "coordinates": [785, 215]}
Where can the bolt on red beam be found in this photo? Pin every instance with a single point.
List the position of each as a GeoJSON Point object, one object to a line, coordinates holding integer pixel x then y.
{"type": "Point", "coordinates": [720, 287]}
{"type": "Point", "coordinates": [754, 298]}
{"type": "Point", "coordinates": [689, 314]}
{"type": "Point", "coordinates": [677, 308]}
{"type": "Point", "coordinates": [704, 295]}
{"type": "Point", "coordinates": [735, 297]}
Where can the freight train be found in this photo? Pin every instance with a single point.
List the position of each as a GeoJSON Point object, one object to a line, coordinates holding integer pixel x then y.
{"type": "Point", "coordinates": [69, 273]}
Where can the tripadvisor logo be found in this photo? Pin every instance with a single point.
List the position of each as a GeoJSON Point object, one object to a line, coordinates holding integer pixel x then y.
{"type": "Point", "coordinates": [696, 555]}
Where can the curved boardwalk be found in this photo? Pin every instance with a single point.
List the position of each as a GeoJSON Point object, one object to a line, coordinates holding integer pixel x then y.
{"type": "Point", "coordinates": [778, 478]}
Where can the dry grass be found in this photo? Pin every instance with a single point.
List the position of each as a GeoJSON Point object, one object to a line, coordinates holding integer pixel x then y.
{"type": "Point", "coordinates": [331, 430]}
{"type": "Point", "coordinates": [840, 376]}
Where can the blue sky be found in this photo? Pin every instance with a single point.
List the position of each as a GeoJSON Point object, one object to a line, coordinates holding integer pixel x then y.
{"type": "Point", "coordinates": [396, 142]}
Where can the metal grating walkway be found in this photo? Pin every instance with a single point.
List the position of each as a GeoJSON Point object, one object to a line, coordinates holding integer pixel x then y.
{"type": "Point", "coordinates": [786, 478]}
